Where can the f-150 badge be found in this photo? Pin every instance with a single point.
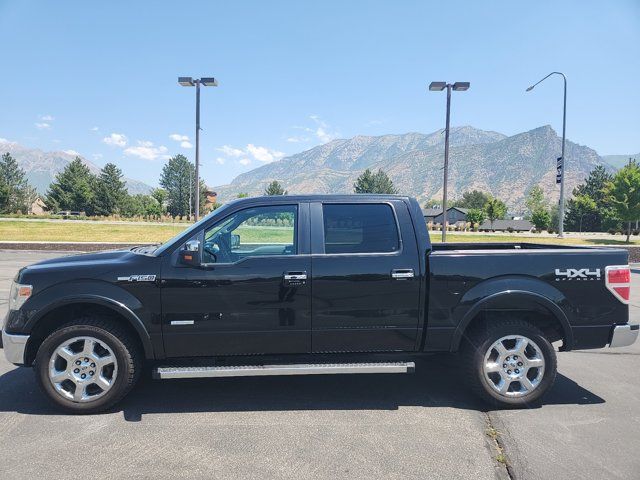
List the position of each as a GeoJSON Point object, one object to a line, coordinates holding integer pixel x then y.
{"type": "Point", "coordinates": [580, 274]}
{"type": "Point", "coordinates": [138, 278]}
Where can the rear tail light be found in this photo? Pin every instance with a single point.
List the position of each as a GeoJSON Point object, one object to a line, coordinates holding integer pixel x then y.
{"type": "Point", "coordinates": [618, 281]}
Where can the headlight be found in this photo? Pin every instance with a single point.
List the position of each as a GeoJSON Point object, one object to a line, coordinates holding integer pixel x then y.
{"type": "Point", "coordinates": [19, 294]}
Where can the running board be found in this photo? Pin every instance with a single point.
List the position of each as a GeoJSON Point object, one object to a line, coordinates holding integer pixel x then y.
{"type": "Point", "coordinates": [298, 369]}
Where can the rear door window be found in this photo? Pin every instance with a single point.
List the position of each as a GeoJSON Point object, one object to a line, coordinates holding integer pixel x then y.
{"type": "Point", "coordinates": [360, 228]}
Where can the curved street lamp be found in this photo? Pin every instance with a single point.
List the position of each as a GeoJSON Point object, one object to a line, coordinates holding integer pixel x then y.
{"type": "Point", "coordinates": [562, 159]}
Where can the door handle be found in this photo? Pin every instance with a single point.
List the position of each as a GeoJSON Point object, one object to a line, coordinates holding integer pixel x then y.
{"type": "Point", "coordinates": [402, 273]}
{"type": "Point", "coordinates": [295, 278]}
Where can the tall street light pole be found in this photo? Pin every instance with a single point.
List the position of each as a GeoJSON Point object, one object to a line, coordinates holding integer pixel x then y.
{"type": "Point", "coordinates": [438, 87]}
{"type": "Point", "coordinates": [562, 159]}
{"type": "Point", "coordinates": [191, 82]}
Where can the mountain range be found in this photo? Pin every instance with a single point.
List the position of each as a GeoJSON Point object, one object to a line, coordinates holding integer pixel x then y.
{"type": "Point", "coordinates": [505, 166]}
{"type": "Point", "coordinates": [42, 167]}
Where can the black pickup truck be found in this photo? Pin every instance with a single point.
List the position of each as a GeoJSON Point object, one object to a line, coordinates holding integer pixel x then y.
{"type": "Point", "coordinates": [298, 285]}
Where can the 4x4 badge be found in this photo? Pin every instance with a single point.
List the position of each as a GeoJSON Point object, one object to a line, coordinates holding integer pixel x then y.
{"type": "Point", "coordinates": [577, 274]}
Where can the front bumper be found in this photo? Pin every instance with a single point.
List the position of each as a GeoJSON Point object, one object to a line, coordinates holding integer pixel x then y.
{"type": "Point", "coordinates": [624, 335]}
{"type": "Point", "coordinates": [14, 347]}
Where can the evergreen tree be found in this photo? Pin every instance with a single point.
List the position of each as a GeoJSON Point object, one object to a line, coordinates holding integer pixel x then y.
{"type": "Point", "coordinates": [15, 192]}
{"type": "Point", "coordinates": [176, 178]}
{"type": "Point", "coordinates": [602, 217]}
{"type": "Point", "coordinates": [623, 194]}
{"type": "Point", "coordinates": [378, 182]}
{"type": "Point", "coordinates": [111, 190]}
{"type": "Point", "coordinates": [274, 188]}
{"type": "Point", "coordinates": [73, 189]}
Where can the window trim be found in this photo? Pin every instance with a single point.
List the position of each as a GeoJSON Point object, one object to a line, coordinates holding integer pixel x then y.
{"type": "Point", "coordinates": [249, 207]}
{"type": "Point", "coordinates": [397, 252]}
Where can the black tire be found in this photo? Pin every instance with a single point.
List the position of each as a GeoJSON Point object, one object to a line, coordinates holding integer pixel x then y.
{"type": "Point", "coordinates": [475, 348]}
{"type": "Point", "coordinates": [123, 346]}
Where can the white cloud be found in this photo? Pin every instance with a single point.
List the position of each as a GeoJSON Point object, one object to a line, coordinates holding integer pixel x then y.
{"type": "Point", "coordinates": [178, 138]}
{"type": "Point", "coordinates": [42, 125]}
{"type": "Point", "coordinates": [263, 154]}
{"type": "Point", "coordinates": [46, 118]}
{"type": "Point", "coordinates": [320, 130]}
{"type": "Point", "coordinates": [5, 141]}
{"type": "Point", "coordinates": [221, 160]}
{"type": "Point", "coordinates": [94, 129]}
{"type": "Point", "coordinates": [229, 151]}
{"type": "Point", "coordinates": [116, 140]}
{"type": "Point", "coordinates": [186, 144]}
{"type": "Point", "coordinates": [244, 161]}
{"type": "Point", "coordinates": [71, 152]}
{"type": "Point", "coordinates": [147, 151]}
{"type": "Point", "coordinates": [96, 156]}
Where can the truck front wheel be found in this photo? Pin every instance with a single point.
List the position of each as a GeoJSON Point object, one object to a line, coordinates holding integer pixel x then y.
{"type": "Point", "coordinates": [87, 365]}
{"type": "Point", "coordinates": [509, 363]}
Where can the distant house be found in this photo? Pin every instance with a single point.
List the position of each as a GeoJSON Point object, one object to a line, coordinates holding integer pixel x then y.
{"type": "Point", "coordinates": [454, 215]}
{"type": "Point", "coordinates": [506, 225]}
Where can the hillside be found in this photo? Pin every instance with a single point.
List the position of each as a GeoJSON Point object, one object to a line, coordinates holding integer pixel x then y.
{"type": "Point", "coordinates": [507, 167]}
{"type": "Point", "coordinates": [619, 161]}
{"type": "Point", "coordinates": [41, 167]}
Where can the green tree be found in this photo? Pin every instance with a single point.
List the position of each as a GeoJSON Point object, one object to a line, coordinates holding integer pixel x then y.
{"type": "Point", "coordinates": [474, 199]}
{"type": "Point", "coordinates": [432, 204]}
{"type": "Point", "coordinates": [603, 216]}
{"type": "Point", "coordinates": [378, 182]}
{"type": "Point", "coordinates": [111, 190]}
{"type": "Point", "coordinates": [535, 201]}
{"type": "Point", "coordinates": [541, 218]}
{"type": "Point", "coordinates": [476, 216]}
{"type": "Point", "coordinates": [274, 188]}
{"type": "Point", "coordinates": [160, 195]}
{"type": "Point", "coordinates": [495, 210]}
{"type": "Point", "coordinates": [176, 178]}
{"type": "Point", "coordinates": [73, 189]}
{"type": "Point", "coordinates": [15, 192]}
{"type": "Point", "coordinates": [242, 195]}
{"type": "Point", "coordinates": [623, 194]}
{"type": "Point", "coordinates": [583, 207]}
{"type": "Point", "coordinates": [140, 205]}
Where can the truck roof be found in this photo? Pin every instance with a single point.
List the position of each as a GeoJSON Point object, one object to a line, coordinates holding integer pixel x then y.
{"type": "Point", "coordinates": [322, 197]}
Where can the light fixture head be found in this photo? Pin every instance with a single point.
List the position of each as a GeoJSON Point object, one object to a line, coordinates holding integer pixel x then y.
{"type": "Point", "coordinates": [437, 86]}
{"type": "Point", "coordinates": [461, 86]}
{"type": "Point", "coordinates": [209, 82]}
{"type": "Point", "coordinates": [186, 81]}
{"type": "Point", "coordinates": [530, 88]}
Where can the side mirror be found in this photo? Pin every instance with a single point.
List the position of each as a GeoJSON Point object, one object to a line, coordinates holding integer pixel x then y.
{"type": "Point", "coordinates": [190, 253]}
{"type": "Point", "coordinates": [235, 240]}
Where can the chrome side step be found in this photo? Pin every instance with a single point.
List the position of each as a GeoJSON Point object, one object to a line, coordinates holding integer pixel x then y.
{"type": "Point", "coordinates": [298, 369]}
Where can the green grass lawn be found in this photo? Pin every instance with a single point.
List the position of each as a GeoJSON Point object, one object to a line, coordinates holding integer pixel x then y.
{"type": "Point", "coordinates": [99, 232]}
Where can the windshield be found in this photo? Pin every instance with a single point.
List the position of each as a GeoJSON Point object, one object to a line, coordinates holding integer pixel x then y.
{"type": "Point", "coordinates": [186, 233]}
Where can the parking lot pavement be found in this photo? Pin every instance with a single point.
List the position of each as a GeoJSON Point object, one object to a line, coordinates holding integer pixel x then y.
{"type": "Point", "coordinates": [424, 425]}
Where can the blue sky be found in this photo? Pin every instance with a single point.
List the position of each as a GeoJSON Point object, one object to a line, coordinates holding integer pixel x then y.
{"type": "Point", "coordinates": [100, 78]}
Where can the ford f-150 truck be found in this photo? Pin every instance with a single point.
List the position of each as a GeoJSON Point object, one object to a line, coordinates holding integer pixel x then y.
{"type": "Point", "coordinates": [295, 285]}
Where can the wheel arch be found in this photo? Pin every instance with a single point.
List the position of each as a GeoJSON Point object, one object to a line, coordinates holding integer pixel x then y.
{"type": "Point", "coordinates": [509, 301]}
{"type": "Point", "coordinates": [54, 315]}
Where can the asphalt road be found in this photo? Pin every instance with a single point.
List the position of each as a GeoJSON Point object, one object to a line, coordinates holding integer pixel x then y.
{"type": "Point", "coordinates": [424, 425]}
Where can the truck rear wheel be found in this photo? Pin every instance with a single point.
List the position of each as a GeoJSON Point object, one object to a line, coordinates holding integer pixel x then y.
{"type": "Point", "coordinates": [87, 365]}
{"type": "Point", "coordinates": [509, 363]}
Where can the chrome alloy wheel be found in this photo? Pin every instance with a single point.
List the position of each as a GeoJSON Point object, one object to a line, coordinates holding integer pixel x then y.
{"type": "Point", "coordinates": [514, 366]}
{"type": "Point", "coordinates": [83, 369]}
